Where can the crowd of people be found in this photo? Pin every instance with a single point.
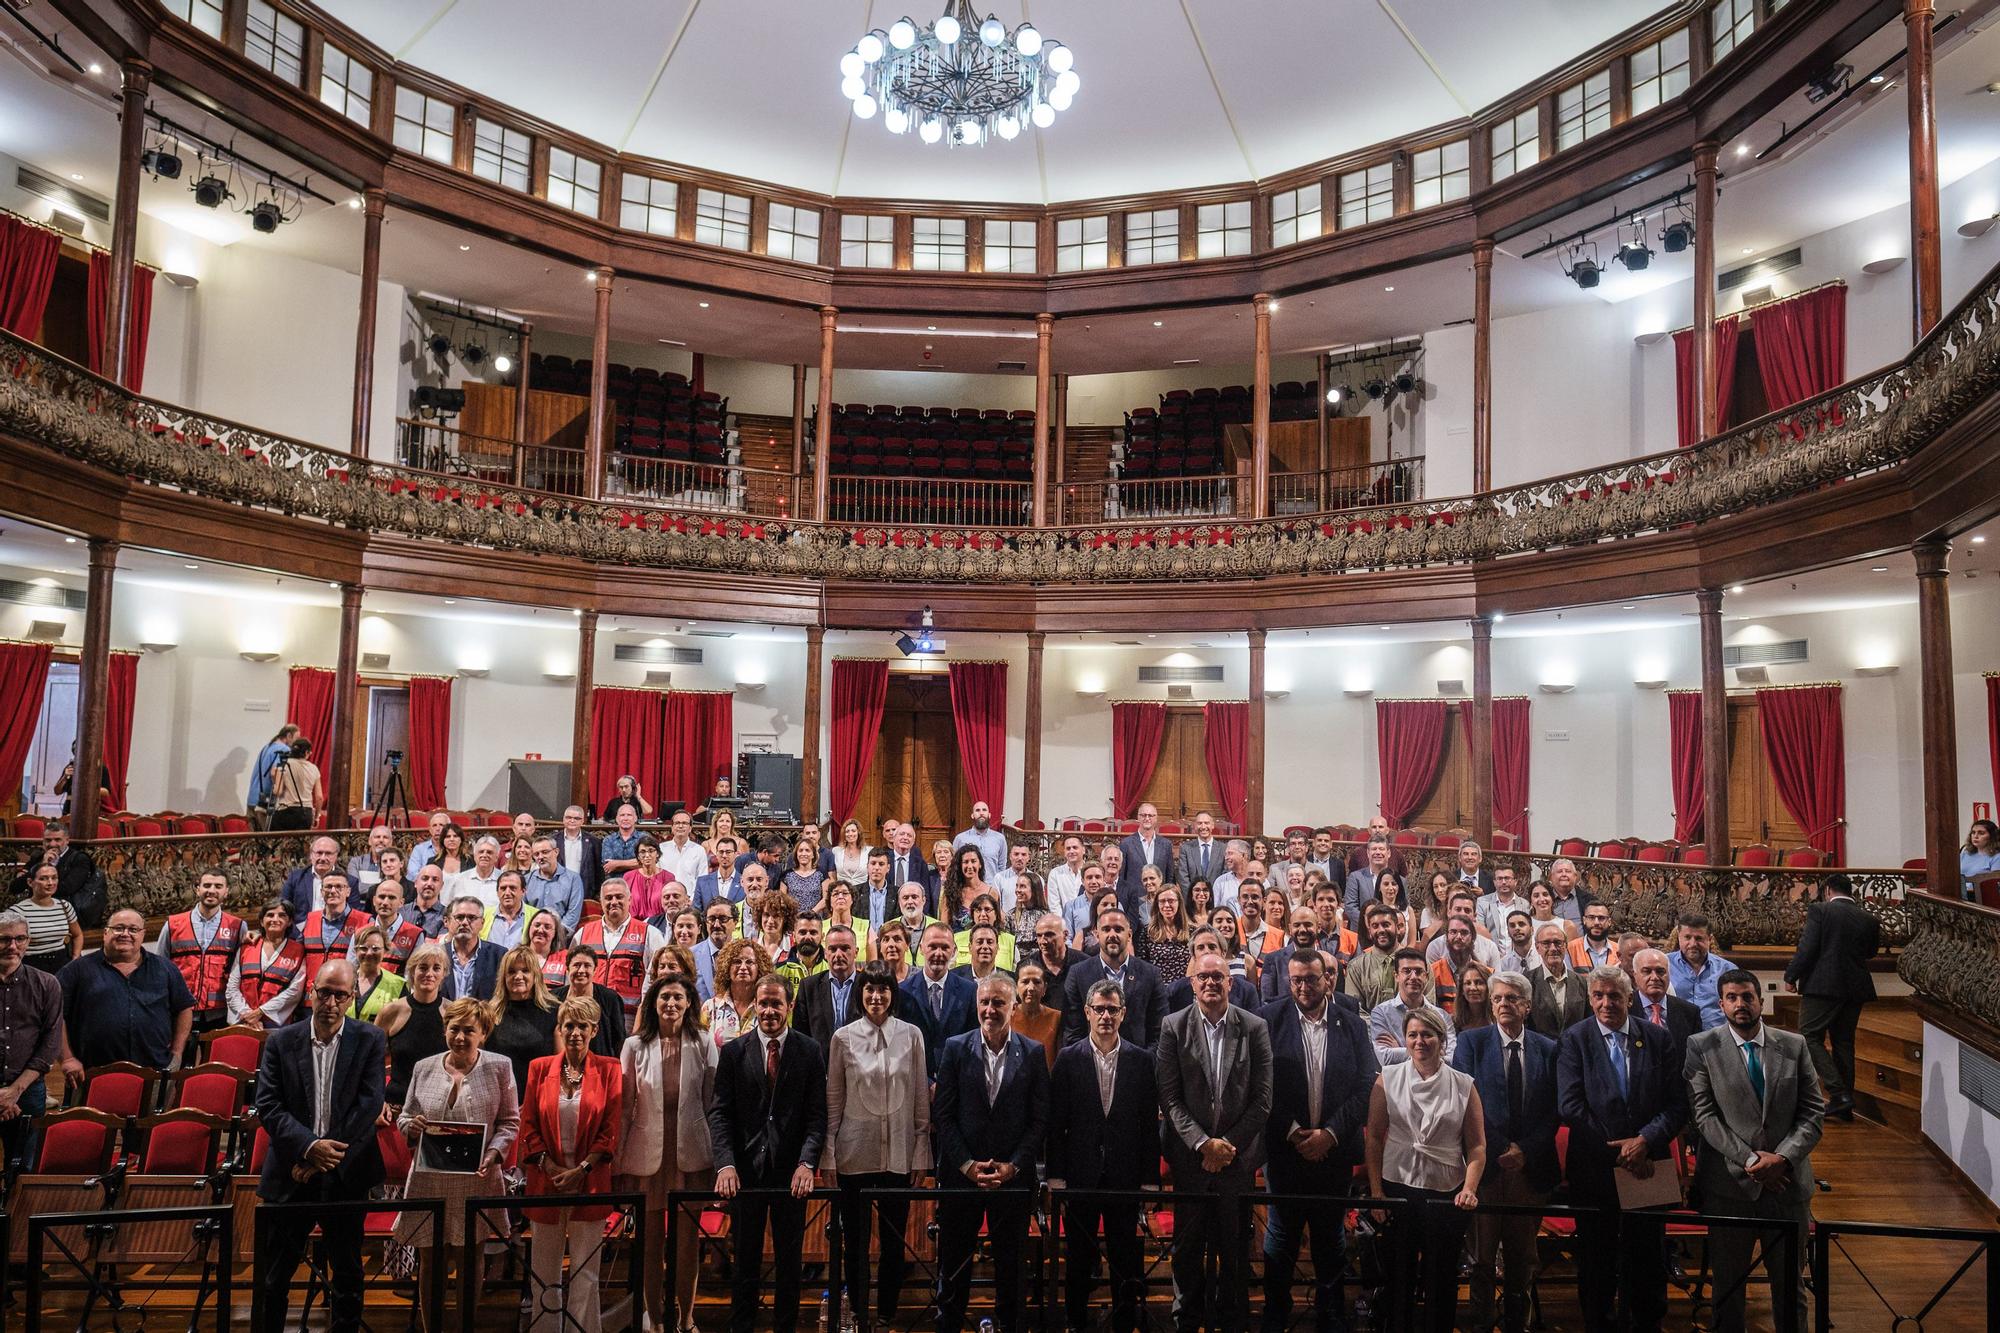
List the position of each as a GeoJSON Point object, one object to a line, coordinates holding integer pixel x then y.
{"type": "Point", "coordinates": [652, 1010]}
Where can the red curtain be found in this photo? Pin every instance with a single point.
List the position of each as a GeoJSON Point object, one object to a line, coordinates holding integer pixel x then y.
{"type": "Point", "coordinates": [1225, 747]}
{"type": "Point", "coordinates": [430, 740]}
{"type": "Point", "coordinates": [1409, 746]}
{"type": "Point", "coordinates": [1803, 745]}
{"type": "Point", "coordinates": [1801, 345]}
{"type": "Point", "coordinates": [97, 296]}
{"type": "Point", "coordinates": [310, 708]}
{"type": "Point", "coordinates": [859, 688]}
{"type": "Point", "coordinates": [699, 744]}
{"type": "Point", "coordinates": [626, 728]}
{"type": "Point", "coordinates": [119, 691]}
{"type": "Point", "coordinates": [1136, 732]}
{"type": "Point", "coordinates": [1993, 729]}
{"type": "Point", "coordinates": [27, 272]}
{"type": "Point", "coordinates": [1725, 379]}
{"type": "Point", "coordinates": [1684, 752]}
{"type": "Point", "coordinates": [24, 678]}
{"type": "Point", "coordinates": [1510, 768]}
{"type": "Point", "coordinates": [979, 715]}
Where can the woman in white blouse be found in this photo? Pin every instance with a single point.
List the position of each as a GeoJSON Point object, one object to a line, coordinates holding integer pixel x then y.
{"type": "Point", "coordinates": [878, 1134]}
{"type": "Point", "coordinates": [669, 1082]}
{"type": "Point", "coordinates": [850, 858]}
{"type": "Point", "coordinates": [1427, 1145]}
{"type": "Point", "coordinates": [466, 1085]}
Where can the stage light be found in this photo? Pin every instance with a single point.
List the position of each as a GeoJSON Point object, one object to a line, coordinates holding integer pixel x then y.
{"type": "Point", "coordinates": [211, 192]}
{"type": "Point", "coordinates": [1333, 395]}
{"type": "Point", "coordinates": [440, 346]}
{"type": "Point", "coordinates": [1405, 382]}
{"type": "Point", "coordinates": [1677, 237]}
{"type": "Point", "coordinates": [162, 163]}
{"type": "Point", "coordinates": [1635, 255]}
{"type": "Point", "coordinates": [265, 217]}
{"type": "Point", "coordinates": [503, 363]}
{"type": "Point", "coordinates": [1375, 389]}
{"type": "Point", "coordinates": [472, 354]}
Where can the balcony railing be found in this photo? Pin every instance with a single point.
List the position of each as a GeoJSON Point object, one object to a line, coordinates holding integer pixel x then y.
{"type": "Point", "coordinates": [726, 487]}
{"type": "Point", "coordinates": [433, 446]}
{"type": "Point", "coordinates": [1156, 499]}
{"type": "Point", "coordinates": [931, 501]}
{"type": "Point", "coordinates": [1394, 481]}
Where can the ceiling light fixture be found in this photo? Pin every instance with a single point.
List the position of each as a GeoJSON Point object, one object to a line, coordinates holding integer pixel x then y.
{"type": "Point", "coordinates": [211, 191]}
{"type": "Point", "coordinates": [1583, 269]}
{"type": "Point", "coordinates": [962, 74]}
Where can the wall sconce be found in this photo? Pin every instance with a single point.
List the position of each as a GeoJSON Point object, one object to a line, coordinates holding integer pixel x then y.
{"type": "Point", "coordinates": [1554, 687]}
{"type": "Point", "coordinates": [559, 677]}
{"type": "Point", "coordinates": [1277, 694]}
{"type": "Point", "coordinates": [258, 657]}
{"type": "Point", "coordinates": [159, 647]}
{"type": "Point", "coordinates": [750, 686]}
{"type": "Point", "coordinates": [1977, 227]}
{"type": "Point", "coordinates": [1090, 693]}
{"type": "Point", "coordinates": [1886, 264]}
{"type": "Point", "coordinates": [1889, 669]}
{"type": "Point", "coordinates": [1358, 691]}
{"type": "Point", "coordinates": [1650, 684]}
{"type": "Point", "coordinates": [1649, 338]}
{"type": "Point", "coordinates": [476, 673]}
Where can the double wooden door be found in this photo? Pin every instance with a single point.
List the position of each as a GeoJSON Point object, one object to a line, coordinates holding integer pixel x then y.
{"type": "Point", "coordinates": [1756, 813]}
{"type": "Point", "coordinates": [1179, 787]}
{"type": "Point", "coordinates": [1449, 802]}
{"type": "Point", "coordinates": [916, 775]}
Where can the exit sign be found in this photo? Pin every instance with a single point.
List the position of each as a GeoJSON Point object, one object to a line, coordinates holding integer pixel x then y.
{"type": "Point", "coordinates": [1555, 735]}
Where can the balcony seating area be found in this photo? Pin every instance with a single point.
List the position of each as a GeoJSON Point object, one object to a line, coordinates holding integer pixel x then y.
{"type": "Point", "coordinates": [174, 824]}
{"type": "Point", "coordinates": [932, 443]}
{"type": "Point", "coordinates": [654, 414]}
{"type": "Point", "coordinates": [1754, 855]}
{"type": "Point", "coordinates": [1182, 437]}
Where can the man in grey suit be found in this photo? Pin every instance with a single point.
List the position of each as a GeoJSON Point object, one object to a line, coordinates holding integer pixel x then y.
{"type": "Point", "coordinates": [1200, 857]}
{"type": "Point", "coordinates": [1147, 847]}
{"type": "Point", "coordinates": [1755, 1099]}
{"type": "Point", "coordinates": [1213, 1071]}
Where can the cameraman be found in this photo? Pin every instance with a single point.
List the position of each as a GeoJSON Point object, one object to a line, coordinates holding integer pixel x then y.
{"type": "Point", "coordinates": [298, 793]}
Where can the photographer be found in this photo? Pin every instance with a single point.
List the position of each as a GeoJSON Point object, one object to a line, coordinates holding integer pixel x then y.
{"type": "Point", "coordinates": [298, 793]}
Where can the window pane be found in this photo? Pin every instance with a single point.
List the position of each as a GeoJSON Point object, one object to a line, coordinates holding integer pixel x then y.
{"type": "Point", "coordinates": [205, 15]}
{"type": "Point", "coordinates": [574, 182]}
{"type": "Point", "coordinates": [501, 154]}
{"type": "Point", "coordinates": [275, 41]}
{"type": "Point", "coordinates": [1660, 71]}
{"type": "Point", "coordinates": [1153, 236]}
{"type": "Point", "coordinates": [1083, 243]}
{"type": "Point", "coordinates": [424, 125]}
{"type": "Point", "coordinates": [346, 85]}
{"type": "Point", "coordinates": [867, 241]}
{"type": "Point", "coordinates": [793, 233]}
{"type": "Point", "coordinates": [938, 244]}
{"type": "Point", "coordinates": [1583, 110]}
{"type": "Point", "coordinates": [722, 219]}
{"type": "Point", "coordinates": [1516, 144]}
{"type": "Point", "coordinates": [649, 205]}
{"type": "Point", "coordinates": [1295, 215]}
{"type": "Point", "coordinates": [1222, 229]}
{"type": "Point", "coordinates": [1010, 246]}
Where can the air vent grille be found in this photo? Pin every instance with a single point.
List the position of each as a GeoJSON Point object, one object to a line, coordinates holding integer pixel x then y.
{"type": "Point", "coordinates": [1180, 675]}
{"type": "Point", "coordinates": [1015, 366]}
{"type": "Point", "coordinates": [374, 661]}
{"type": "Point", "coordinates": [711, 634]}
{"type": "Point", "coordinates": [35, 594]}
{"type": "Point", "coordinates": [1979, 1079]}
{"type": "Point", "coordinates": [48, 187]}
{"type": "Point", "coordinates": [1180, 691]}
{"type": "Point", "coordinates": [656, 654]}
{"type": "Point", "coordinates": [1790, 652]}
{"type": "Point", "coordinates": [1768, 267]}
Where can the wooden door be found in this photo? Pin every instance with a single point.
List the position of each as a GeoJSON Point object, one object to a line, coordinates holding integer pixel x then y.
{"type": "Point", "coordinates": [1756, 813]}
{"type": "Point", "coordinates": [49, 752]}
{"type": "Point", "coordinates": [388, 729]}
{"type": "Point", "coordinates": [1449, 804]}
{"type": "Point", "coordinates": [916, 774]}
{"type": "Point", "coordinates": [1179, 786]}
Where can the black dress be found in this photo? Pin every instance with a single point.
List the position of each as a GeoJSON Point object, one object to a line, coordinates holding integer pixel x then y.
{"type": "Point", "coordinates": [420, 1037]}
{"type": "Point", "coordinates": [525, 1034]}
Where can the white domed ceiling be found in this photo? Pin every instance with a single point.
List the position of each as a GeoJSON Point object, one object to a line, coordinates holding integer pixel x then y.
{"type": "Point", "coordinates": [1175, 93]}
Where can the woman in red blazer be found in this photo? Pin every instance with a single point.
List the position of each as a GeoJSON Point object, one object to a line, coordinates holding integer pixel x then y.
{"type": "Point", "coordinates": [569, 1135]}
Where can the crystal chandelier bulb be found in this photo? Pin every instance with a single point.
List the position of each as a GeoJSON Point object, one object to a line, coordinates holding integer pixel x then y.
{"type": "Point", "coordinates": [870, 47]}
{"type": "Point", "coordinates": [1068, 82]}
{"type": "Point", "coordinates": [864, 106]}
{"type": "Point", "coordinates": [993, 31]}
{"type": "Point", "coordinates": [1043, 115]}
{"type": "Point", "coordinates": [1027, 41]}
{"type": "Point", "coordinates": [1061, 58]}
{"type": "Point", "coordinates": [1007, 126]}
{"type": "Point", "coordinates": [947, 29]}
{"type": "Point", "coordinates": [968, 131]}
{"type": "Point", "coordinates": [851, 65]}
{"type": "Point", "coordinates": [896, 120]}
{"type": "Point", "coordinates": [1059, 98]}
{"type": "Point", "coordinates": [852, 87]}
{"type": "Point", "coordinates": [902, 34]}
{"type": "Point", "coordinates": [931, 130]}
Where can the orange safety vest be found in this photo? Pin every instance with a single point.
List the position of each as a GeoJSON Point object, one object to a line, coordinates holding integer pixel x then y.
{"type": "Point", "coordinates": [1446, 982]}
{"type": "Point", "coordinates": [259, 982]}
{"type": "Point", "coordinates": [555, 971]}
{"type": "Point", "coordinates": [1579, 954]}
{"type": "Point", "coordinates": [321, 943]}
{"type": "Point", "coordinates": [206, 971]}
{"type": "Point", "coordinates": [622, 969]}
{"type": "Point", "coordinates": [401, 945]}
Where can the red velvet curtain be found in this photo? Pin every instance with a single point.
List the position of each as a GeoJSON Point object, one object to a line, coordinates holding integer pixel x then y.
{"type": "Point", "coordinates": [1137, 729]}
{"type": "Point", "coordinates": [24, 678]}
{"type": "Point", "coordinates": [699, 745]}
{"type": "Point", "coordinates": [310, 709]}
{"type": "Point", "coordinates": [1684, 752]}
{"type": "Point", "coordinates": [1725, 379]}
{"type": "Point", "coordinates": [1993, 728]}
{"type": "Point", "coordinates": [979, 715]}
{"type": "Point", "coordinates": [1804, 747]}
{"type": "Point", "coordinates": [430, 740]}
{"type": "Point", "coordinates": [119, 692]}
{"type": "Point", "coordinates": [1409, 746]}
{"type": "Point", "coordinates": [859, 688]}
{"type": "Point", "coordinates": [1801, 345]}
{"type": "Point", "coordinates": [626, 728]}
{"type": "Point", "coordinates": [97, 296]}
{"type": "Point", "coordinates": [1225, 748]}
{"type": "Point", "coordinates": [1510, 767]}
{"type": "Point", "coordinates": [27, 272]}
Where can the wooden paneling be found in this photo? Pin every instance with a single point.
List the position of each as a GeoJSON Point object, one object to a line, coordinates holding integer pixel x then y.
{"type": "Point", "coordinates": [1179, 785]}
{"type": "Point", "coordinates": [1349, 442]}
{"type": "Point", "coordinates": [916, 773]}
{"type": "Point", "coordinates": [1755, 812]}
{"type": "Point", "coordinates": [553, 418]}
{"type": "Point", "coordinates": [1449, 804]}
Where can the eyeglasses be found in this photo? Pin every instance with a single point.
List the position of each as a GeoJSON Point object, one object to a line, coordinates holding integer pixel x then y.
{"type": "Point", "coordinates": [323, 993]}
{"type": "Point", "coordinates": [1106, 1009]}
{"type": "Point", "coordinates": [21, 940]}
{"type": "Point", "coordinates": [123, 930]}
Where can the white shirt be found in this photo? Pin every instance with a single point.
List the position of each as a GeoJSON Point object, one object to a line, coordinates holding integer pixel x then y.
{"type": "Point", "coordinates": [1211, 1033]}
{"type": "Point", "coordinates": [326, 1056]}
{"type": "Point", "coordinates": [996, 1067]}
{"type": "Point", "coordinates": [1107, 1075]}
{"type": "Point", "coordinates": [1063, 886]}
{"type": "Point", "coordinates": [686, 865]}
{"type": "Point", "coordinates": [1312, 1036]}
{"type": "Point", "coordinates": [1003, 884]}
{"type": "Point", "coordinates": [572, 853]}
{"type": "Point", "coordinates": [467, 884]}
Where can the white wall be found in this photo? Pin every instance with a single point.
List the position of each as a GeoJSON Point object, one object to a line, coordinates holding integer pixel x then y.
{"type": "Point", "coordinates": [1961, 1130]}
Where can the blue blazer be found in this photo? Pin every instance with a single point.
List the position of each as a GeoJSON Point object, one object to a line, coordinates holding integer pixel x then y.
{"type": "Point", "coordinates": [1145, 1001]}
{"type": "Point", "coordinates": [1346, 1080]}
{"type": "Point", "coordinates": [959, 1017]}
{"type": "Point", "coordinates": [298, 891]}
{"type": "Point", "coordinates": [1009, 1130]}
{"type": "Point", "coordinates": [285, 1102]}
{"type": "Point", "coordinates": [1481, 1054]}
{"type": "Point", "coordinates": [1655, 1105]}
{"type": "Point", "coordinates": [1089, 1149]}
{"type": "Point", "coordinates": [709, 888]}
{"type": "Point", "coordinates": [1134, 861]}
{"type": "Point", "coordinates": [485, 969]}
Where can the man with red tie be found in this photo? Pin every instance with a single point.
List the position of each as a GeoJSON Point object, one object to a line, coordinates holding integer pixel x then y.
{"type": "Point", "coordinates": [1650, 970]}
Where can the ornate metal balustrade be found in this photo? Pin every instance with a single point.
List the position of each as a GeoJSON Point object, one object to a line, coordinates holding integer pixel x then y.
{"type": "Point", "coordinates": [1953, 956]}
{"type": "Point", "coordinates": [1862, 427]}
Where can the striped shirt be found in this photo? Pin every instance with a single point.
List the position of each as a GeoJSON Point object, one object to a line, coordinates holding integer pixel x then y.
{"type": "Point", "coordinates": [48, 927]}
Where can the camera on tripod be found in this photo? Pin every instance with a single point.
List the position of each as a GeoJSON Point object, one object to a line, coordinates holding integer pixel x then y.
{"type": "Point", "coordinates": [393, 758]}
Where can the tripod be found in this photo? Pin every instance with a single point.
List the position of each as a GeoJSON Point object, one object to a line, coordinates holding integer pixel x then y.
{"type": "Point", "coordinates": [392, 796]}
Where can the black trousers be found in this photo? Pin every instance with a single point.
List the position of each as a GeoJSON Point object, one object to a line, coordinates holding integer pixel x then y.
{"type": "Point", "coordinates": [291, 819]}
{"type": "Point", "coordinates": [1209, 1286]}
{"type": "Point", "coordinates": [748, 1215]}
{"type": "Point", "coordinates": [960, 1211]}
{"type": "Point", "coordinates": [1121, 1246]}
{"type": "Point", "coordinates": [284, 1239]}
{"type": "Point", "coordinates": [1621, 1253]}
{"type": "Point", "coordinates": [1432, 1239]}
{"type": "Point", "coordinates": [1823, 1019]}
{"type": "Point", "coordinates": [892, 1219]}
{"type": "Point", "coordinates": [1283, 1230]}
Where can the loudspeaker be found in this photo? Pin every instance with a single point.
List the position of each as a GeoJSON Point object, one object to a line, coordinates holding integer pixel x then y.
{"type": "Point", "coordinates": [776, 776]}
{"type": "Point", "coordinates": [539, 787]}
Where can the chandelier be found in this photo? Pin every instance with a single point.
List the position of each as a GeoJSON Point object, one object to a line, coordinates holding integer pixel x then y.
{"type": "Point", "coordinates": [961, 79]}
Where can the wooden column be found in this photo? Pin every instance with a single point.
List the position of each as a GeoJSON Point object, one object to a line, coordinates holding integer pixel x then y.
{"type": "Point", "coordinates": [346, 671]}
{"type": "Point", "coordinates": [1253, 786]}
{"type": "Point", "coordinates": [1045, 326]}
{"type": "Point", "coordinates": [1031, 737]}
{"type": "Point", "coordinates": [1062, 443]}
{"type": "Point", "coordinates": [1322, 373]}
{"type": "Point", "coordinates": [1940, 724]}
{"type": "Point", "coordinates": [823, 424]}
{"type": "Point", "coordinates": [1479, 731]}
{"type": "Point", "coordinates": [815, 669]}
{"type": "Point", "coordinates": [125, 223]}
{"type": "Point", "coordinates": [1260, 416]}
{"type": "Point", "coordinates": [1920, 79]}
{"type": "Point", "coordinates": [579, 726]}
{"type": "Point", "coordinates": [1714, 728]}
{"type": "Point", "coordinates": [522, 384]}
{"type": "Point", "coordinates": [374, 203]}
{"type": "Point", "coordinates": [600, 381]}
{"type": "Point", "coordinates": [93, 682]}
{"type": "Point", "coordinates": [1704, 285]}
{"type": "Point", "coordinates": [798, 420]}
{"type": "Point", "coordinates": [1482, 376]}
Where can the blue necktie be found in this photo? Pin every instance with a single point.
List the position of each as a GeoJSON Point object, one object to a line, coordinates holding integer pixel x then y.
{"type": "Point", "coordinates": [1617, 1041]}
{"type": "Point", "coordinates": [1755, 1068]}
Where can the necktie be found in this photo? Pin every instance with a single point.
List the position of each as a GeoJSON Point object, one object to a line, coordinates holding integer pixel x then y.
{"type": "Point", "coordinates": [1659, 1019]}
{"type": "Point", "coordinates": [1617, 1041]}
{"type": "Point", "coordinates": [771, 1049]}
{"type": "Point", "coordinates": [902, 871]}
{"type": "Point", "coordinates": [1204, 860]}
{"type": "Point", "coordinates": [937, 1001]}
{"type": "Point", "coordinates": [1514, 1086]}
{"type": "Point", "coordinates": [1755, 1068]}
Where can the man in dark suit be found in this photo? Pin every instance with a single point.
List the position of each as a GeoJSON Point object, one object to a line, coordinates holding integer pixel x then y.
{"type": "Point", "coordinates": [1104, 1135]}
{"type": "Point", "coordinates": [579, 852]}
{"type": "Point", "coordinates": [1650, 974]}
{"type": "Point", "coordinates": [1213, 1070]}
{"type": "Point", "coordinates": [1145, 997]}
{"type": "Point", "coordinates": [472, 965]}
{"type": "Point", "coordinates": [1301, 932]}
{"type": "Point", "coordinates": [1470, 871]}
{"type": "Point", "coordinates": [302, 885]}
{"type": "Point", "coordinates": [830, 999]}
{"type": "Point", "coordinates": [722, 882]}
{"type": "Point", "coordinates": [74, 868]}
{"type": "Point", "coordinates": [990, 1111]}
{"type": "Point", "coordinates": [938, 1000]}
{"type": "Point", "coordinates": [767, 1125]}
{"type": "Point", "coordinates": [1138, 850]}
{"type": "Point", "coordinates": [1180, 992]}
{"type": "Point", "coordinates": [319, 1093]}
{"type": "Point", "coordinates": [1513, 1068]}
{"type": "Point", "coordinates": [1314, 1135]}
{"type": "Point", "coordinates": [1621, 1091]}
{"type": "Point", "coordinates": [907, 866]}
{"type": "Point", "coordinates": [1829, 973]}
{"type": "Point", "coordinates": [1200, 856]}
{"type": "Point", "coordinates": [1756, 1101]}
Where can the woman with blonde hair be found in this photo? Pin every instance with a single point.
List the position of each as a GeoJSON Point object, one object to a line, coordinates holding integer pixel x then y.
{"type": "Point", "coordinates": [373, 987]}
{"type": "Point", "coordinates": [664, 1145]}
{"type": "Point", "coordinates": [737, 966]}
{"type": "Point", "coordinates": [523, 1013]}
{"type": "Point", "coordinates": [722, 826]}
{"type": "Point", "coordinates": [465, 1085]}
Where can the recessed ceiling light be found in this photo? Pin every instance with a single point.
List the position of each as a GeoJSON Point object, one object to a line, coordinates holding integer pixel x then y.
{"type": "Point", "coordinates": [1736, 587]}
{"type": "Point", "coordinates": [1158, 323]}
{"type": "Point", "coordinates": [76, 175]}
{"type": "Point", "coordinates": [190, 565]}
{"type": "Point", "coordinates": [1749, 249]}
{"type": "Point", "coordinates": [96, 68]}
{"type": "Point", "coordinates": [931, 327]}
{"type": "Point", "coordinates": [1743, 150]}
{"type": "Point", "coordinates": [1976, 541]}
{"type": "Point", "coordinates": [702, 304]}
{"type": "Point", "coordinates": [591, 276]}
{"type": "Point", "coordinates": [1875, 78]}
{"type": "Point", "coordinates": [465, 247]}
{"type": "Point", "coordinates": [1631, 608]}
{"type": "Point", "coordinates": [451, 601]}
{"type": "Point", "coordinates": [1388, 289]}
{"type": "Point", "coordinates": [1878, 569]}
{"type": "Point", "coordinates": [355, 202]}
{"type": "Point", "coordinates": [71, 541]}
{"type": "Point", "coordinates": [331, 584]}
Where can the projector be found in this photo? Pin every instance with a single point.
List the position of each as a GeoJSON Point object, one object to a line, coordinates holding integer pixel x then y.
{"type": "Point", "coordinates": [925, 644]}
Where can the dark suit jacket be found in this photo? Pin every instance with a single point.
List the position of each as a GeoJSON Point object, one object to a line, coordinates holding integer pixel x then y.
{"type": "Point", "coordinates": [1481, 1053]}
{"type": "Point", "coordinates": [813, 1012]}
{"type": "Point", "coordinates": [1655, 1105]}
{"type": "Point", "coordinates": [485, 969]}
{"type": "Point", "coordinates": [1145, 1001]}
{"type": "Point", "coordinates": [707, 890]}
{"type": "Point", "coordinates": [1485, 878]}
{"type": "Point", "coordinates": [1683, 1018]}
{"type": "Point", "coordinates": [1274, 978]}
{"type": "Point", "coordinates": [1180, 994]}
{"type": "Point", "coordinates": [74, 869]}
{"type": "Point", "coordinates": [1134, 860]}
{"type": "Point", "coordinates": [1549, 1019]}
{"type": "Point", "coordinates": [298, 891]}
{"type": "Point", "coordinates": [1358, 860]}
{"type": "Point", "coordinates": [1058, 993]}
{"type": "Point", "coordinates": [1346, 1079]}
{"type": "Point", "coordinates": [285, 1103]}
{"type": "Point", "coordinates": [1089, 1149]}
{"type": "Point", "coordinates": [1010, 1130]}
{"type": "Point", "coordinates": [1192, 1108]}
{"type": "Point", "coordinates": [762, 1131]}
{"type": "Point", "coordinates": [1832, 959]}
{"type": "Point", "coordinates": [959, 994]}
{"type": "Point", "coordinates": [919, 872]}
